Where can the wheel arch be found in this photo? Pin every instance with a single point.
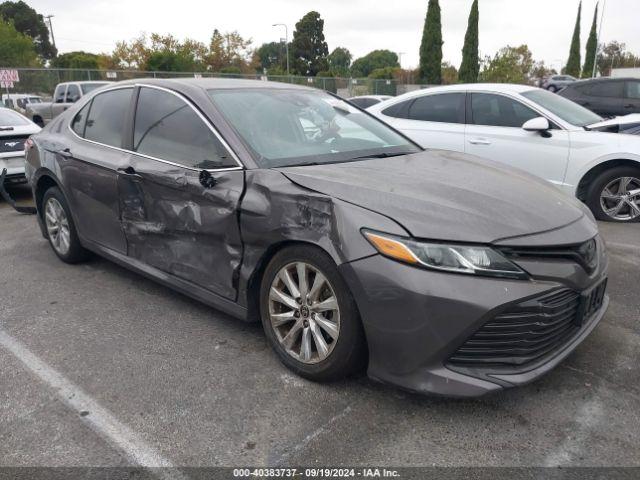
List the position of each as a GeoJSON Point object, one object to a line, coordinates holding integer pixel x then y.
{"type": "Point", "coordinates": [592, 174]}
{"type": "Point", "coordinates": [254, 282]}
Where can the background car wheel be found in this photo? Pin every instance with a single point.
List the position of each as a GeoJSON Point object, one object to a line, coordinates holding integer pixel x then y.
{"type": "Point", "coordinates": [310, 316]}
{"type": "Point", "coordinates": [614, 195]}
{"type": "Point", "coordinates": [552, 89]}
{"type": "Point", "coordinates": [60, 228]}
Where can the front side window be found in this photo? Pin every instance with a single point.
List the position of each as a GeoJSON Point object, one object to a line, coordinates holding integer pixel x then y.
{"type": "Point", "coordinates": [606, 89]}
{"type": "Point", "coordinates": [444, 108]}
{"type": "Point", "coordinates": [499, 111]}
{"type": "Point", "coordinates": [567, 110]}
{"type": "Point", "coordinates": [632, 90]}
{"type": "Point", "coordinates": [167, 128]}
{"type": "Point", "coordinates": [59, 94]}
{"type": "Point", "coordinates": [286, 127]}
{"type": "Point", "coordinates": [106, 117]}
{"type": "Point", "coordinates": [73, 93]}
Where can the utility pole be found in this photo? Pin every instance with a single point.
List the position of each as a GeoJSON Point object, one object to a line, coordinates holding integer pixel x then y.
{"type": "Point", "coordinates": [595, 60]}
{"type": "Point", "coordinates": [53, 40]}
{"type": "Point", "coordinates": [400, 58]}
{"type": "Point", "coordinates": [286, 41]}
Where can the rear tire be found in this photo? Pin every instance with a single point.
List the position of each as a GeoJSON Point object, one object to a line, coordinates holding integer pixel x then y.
{"type": "Point", "coordinates": [552, 88]}
{"type": "Point", "coordinates": [608, 195]}
{"type": "Point", "coordinates": [61, 231]}
{"type": "Point", "coordinates": [327, 339]}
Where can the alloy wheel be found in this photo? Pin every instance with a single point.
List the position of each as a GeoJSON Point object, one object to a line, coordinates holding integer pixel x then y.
{"type": "Point", "coordinates": [304, 312]}
{"type": "Point", "coordinates": [57, 225]}
{"type": "Point", "coordinates": [620, 199]}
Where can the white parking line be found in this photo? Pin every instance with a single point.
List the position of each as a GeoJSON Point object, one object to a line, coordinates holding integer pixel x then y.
{"type": "Point", "coordinates": [91, 412]}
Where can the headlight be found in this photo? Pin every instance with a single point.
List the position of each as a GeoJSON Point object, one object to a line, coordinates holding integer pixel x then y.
{"type": "Point", "coordinates": [470, 259]}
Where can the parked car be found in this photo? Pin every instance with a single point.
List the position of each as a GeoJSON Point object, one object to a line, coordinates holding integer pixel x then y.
{"type": "Point", "coordinates": [366, 101]}
{"type": "Point", "coordinates": [65, 95]}
{"type": "Point", "coordinates": [608, 97]}
{"type": "Point", "coordinates": [531, 129]}
{"type": "Point", "coordinates": [20, 101]}
{"type": "Point", "coordinates": [15, 129]}
{"type": "Point", "coordinates": [348, 241]}
{"type": "Point", "coordinates": [556, 83]}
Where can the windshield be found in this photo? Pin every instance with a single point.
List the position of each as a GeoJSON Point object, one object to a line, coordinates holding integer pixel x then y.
{"type": "Point", "coordinates": [567, 110]}
{"type": "Point", "coordinates": [301, 127]}
{"type": "Point", "coordinates": [9, 118]}
{"type": "Point", "coordinates": [89, 87]}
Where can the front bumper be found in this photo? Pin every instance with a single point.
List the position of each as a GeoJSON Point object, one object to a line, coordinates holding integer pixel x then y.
{"type": "Point", "coordinates": [415, 320]}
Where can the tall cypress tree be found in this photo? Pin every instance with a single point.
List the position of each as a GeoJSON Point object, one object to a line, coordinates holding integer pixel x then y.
{"type": "Point", "coordinates": [592, 47]}
{"type": "Point", "coordinates": [470, 66]}
{"type": "Point", "coordinates": [431, 46]}
{"type": "Point", "coordinates": [573, 64]}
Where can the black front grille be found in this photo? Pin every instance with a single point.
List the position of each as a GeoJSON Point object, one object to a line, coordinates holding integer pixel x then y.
{"type": "Point", "coordinates": [524, 333]}
{"type": "Point", "coordinates": [584, 254]}
{"type": "Point", "coordinates": [13, 143]}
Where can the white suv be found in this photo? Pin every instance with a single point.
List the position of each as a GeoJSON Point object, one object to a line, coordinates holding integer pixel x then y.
{"type": "Point", "coordinates": [531, 129]}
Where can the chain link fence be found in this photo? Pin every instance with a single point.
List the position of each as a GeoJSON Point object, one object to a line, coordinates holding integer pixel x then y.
{"type": "Point", "coordinates": [42, 81]}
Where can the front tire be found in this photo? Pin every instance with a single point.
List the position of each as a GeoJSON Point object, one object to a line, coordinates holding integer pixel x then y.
{"type": "Point", "coordinates": [61, 231]}
{"type": "Point", "coordinates": [309, 315]}
{"type": "Point", "coordinates": [614, 196]}
{"type": "Point", "coordinates": [552, 88]}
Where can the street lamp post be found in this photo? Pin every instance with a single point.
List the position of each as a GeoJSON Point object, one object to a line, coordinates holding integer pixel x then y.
{"type": "Point", "coordinates": [53, 40]}
{"type": "Point", "coordinates": [286, 41]}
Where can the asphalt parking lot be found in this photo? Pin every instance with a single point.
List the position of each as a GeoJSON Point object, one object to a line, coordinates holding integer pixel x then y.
{"type": "Point", "coordinates": [101, 367]}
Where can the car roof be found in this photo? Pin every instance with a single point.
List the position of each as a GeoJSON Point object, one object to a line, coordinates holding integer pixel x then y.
{"type": "Point", "coordinates": [213, 83]}
{"type": "Point", "coordinates": [464, 87]}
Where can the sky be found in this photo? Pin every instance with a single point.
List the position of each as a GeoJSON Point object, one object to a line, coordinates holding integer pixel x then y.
{"type": "Point", "coordinates": [545, 26]}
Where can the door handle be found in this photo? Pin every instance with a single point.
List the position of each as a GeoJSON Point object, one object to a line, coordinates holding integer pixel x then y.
{"type": "Point", "coordinates": [66, 153]}
{"type": "Point", "coordinates": [127, 170]}
{"type": "Point", "coordinates": [479, 141]}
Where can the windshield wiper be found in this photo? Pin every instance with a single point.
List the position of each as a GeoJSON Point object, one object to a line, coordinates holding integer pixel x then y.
{"type": "Point", "coordinates": [382, 155]}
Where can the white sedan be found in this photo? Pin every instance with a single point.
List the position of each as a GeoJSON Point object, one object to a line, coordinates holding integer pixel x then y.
{"type": "Point", "coordinates": [531, 129]}
{"type": "Point", "coordinates": [14, 131]}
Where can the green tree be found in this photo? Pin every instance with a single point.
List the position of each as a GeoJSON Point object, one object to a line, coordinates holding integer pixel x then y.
{"type": "Point", "coordinates": [77, 60]}
{"type": "Point", "coordinates": [509, 65]}
{"type": "Point", "coordinates": [592, 47]}
{"type": "Point", "coordinates": [573, 64]}
{"type": "Point", "coordinates": [16, 49]}
{"type": "Point", "coordinates": [272, 55]}
{"type": "Point", "coordinates": [30, 23]}
{"type": "Point", "coordinates": [374, 60]}
{"type": "Point", "coordinates": [169, 61]}
{"type": "Point", "coordinates": [340, 61]}
{"type": "Point", "coordinates": [615, 55]}
{"type": "Point", "coordinates": [228, 49]}
{"type": "Point", "coordinates": [470, 66]}
{"type": "Point", "coordinates": [450, 74]}
{"type": "Point", "coordinates": [431, 46]}
{"type": "Point", "coordinates": [309, 50]}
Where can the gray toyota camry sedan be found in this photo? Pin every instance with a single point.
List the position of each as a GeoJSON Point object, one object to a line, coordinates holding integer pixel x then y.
{"type": "Point", "coordinates": [355, 247]}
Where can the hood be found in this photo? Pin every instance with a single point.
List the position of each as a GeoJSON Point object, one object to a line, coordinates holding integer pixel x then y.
{"type": "Point", "coordinates": [625, 124]}
{"type": "Point", "coordinates": [442, 195]}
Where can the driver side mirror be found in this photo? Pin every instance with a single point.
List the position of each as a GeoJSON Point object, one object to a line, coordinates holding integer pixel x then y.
{"type": "Point", "coordinates": [538, 124]}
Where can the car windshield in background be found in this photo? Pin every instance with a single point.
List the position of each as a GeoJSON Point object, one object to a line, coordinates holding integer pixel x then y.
{"type": "Point", "coordinates": [9, 118]}
{"type": "Point", "coordinates": [90, 87]}
{"type": "Point", "coordinates": [35, 100]}
{"type": "Point", "coordinates": [299, 127]}
{"type": "Point", "coordinates": [567, 110]}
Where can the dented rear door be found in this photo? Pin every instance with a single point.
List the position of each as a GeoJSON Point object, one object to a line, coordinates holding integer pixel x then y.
{"type": "Point", "coordinates": [180, 193]}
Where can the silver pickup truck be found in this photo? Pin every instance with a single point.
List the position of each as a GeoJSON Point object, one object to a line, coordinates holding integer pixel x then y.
{"type": "Point", "coordinates": [65, 95]}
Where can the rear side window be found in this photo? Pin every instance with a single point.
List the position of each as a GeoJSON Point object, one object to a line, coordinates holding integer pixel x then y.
{"type": "Point", "coordinates": [80, 120]}
{"type": "Point", "coordinates": [107, 115]}
{"type": "Point", "coordinates": [167, 128]}
{"type": "Point", "coordinates": [444, 108]}
{"type": "Point", "coordinates": [499, 111]}
{"type": "Point", "coordinates": [632, 90]}
{"type": "Point", "coordinates": [398, 110]}
{"type": "Point", "coordinates": [606, 89]}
